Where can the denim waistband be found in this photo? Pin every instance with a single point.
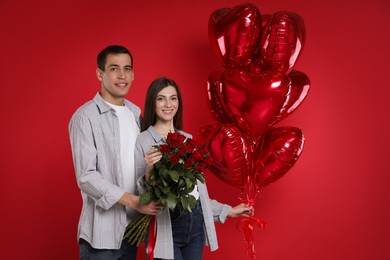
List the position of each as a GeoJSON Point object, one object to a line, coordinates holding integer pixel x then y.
{"type": "Point", "coordinates": [197, 206]}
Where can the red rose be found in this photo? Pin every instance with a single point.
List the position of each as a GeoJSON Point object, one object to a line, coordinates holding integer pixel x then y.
{"type": "Point", "coordinates": [188, 163]}
{"type": "Point", "coordinates": [201, 167]}
{"type": "Point", "coordinates": [190, 145]}
{"type": "Point", "coordinates": [176, 139]}
{"type": "Point", "coordinates": [182, 151]}
{"type": "Point", "coordinates": [174, 158]}
{"type": "Point", "coordinates": [197, 156]}
{"type": "Point", "coordinates": [164, 148]}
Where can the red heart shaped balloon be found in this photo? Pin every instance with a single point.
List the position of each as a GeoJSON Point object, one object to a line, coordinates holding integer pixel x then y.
{"type": "Point", "coordinates": [214, 88]}
{"type": "Point", "coordinates": [235, 34]}
{"type": "Point", "coordinates": [300, 85]}
{"type": "Point", "coordinates": [230, 153]}
{"type": "Point", "coordinates": [254, 100]}
{"type": "Point", "coordinates": [277, 151]}
{"type": "Point", "coordinates": [281, 42]}
{"type": "Point", "coordinates": [214, 85]}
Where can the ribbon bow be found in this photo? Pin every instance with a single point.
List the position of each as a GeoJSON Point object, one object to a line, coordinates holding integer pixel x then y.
{"type": "Point", "coordinates": [246, 226]}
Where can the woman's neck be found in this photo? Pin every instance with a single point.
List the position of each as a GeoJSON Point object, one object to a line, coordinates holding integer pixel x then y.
{"type": "Point", "coordinates": [164, 129]}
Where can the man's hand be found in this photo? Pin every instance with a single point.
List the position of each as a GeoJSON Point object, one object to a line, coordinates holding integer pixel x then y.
{"type": "Point", "coordinates": [132, 201]}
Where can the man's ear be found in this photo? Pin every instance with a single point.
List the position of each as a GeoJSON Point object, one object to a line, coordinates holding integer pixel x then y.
{"type": "Point", "coordinates": [99, 74]}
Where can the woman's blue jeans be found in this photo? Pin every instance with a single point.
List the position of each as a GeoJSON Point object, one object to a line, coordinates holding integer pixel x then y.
{"type": "Point", "coordinates": [188, 233]}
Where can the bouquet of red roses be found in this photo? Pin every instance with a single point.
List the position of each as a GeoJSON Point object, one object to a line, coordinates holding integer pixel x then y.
{"type": "Point", "coordinates": [171, 180]}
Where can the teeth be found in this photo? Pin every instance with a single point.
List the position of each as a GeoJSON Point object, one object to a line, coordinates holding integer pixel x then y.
{"type": "Point", "coordinates": [122, 84]}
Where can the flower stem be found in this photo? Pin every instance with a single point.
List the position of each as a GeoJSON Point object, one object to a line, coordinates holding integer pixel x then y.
{"type": "Point", "coordinates": [136, 231]}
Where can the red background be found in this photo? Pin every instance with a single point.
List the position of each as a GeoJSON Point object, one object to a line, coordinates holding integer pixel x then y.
{"type": "Point", "coordinates": [333, 204]}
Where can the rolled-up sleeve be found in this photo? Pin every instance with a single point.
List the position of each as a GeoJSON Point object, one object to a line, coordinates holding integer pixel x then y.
{"type": "Point", "coordinates": [85, 155]}
{"type": "Point", "coordinates": [220, 211]}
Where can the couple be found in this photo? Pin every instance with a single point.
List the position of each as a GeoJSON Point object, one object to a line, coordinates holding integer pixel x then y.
{"type": "Point", "coordinates": [111, 159]}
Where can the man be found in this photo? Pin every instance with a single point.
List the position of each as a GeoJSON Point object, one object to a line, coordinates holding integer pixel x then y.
{"type": "Point", "coordinates": [102, 134]}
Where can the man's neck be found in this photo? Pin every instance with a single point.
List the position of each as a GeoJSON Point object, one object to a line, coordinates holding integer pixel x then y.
{"type": "Point", "coordinates": [115, 101]}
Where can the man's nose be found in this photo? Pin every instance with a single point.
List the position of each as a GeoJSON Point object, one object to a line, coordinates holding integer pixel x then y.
{"type": "Point", "coordinates": [121, 74]}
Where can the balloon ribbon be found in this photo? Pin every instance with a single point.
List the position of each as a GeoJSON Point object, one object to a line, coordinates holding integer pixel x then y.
{"type": "Point", "coordinates": [246, 226]}
{"type": "Point", "coordinates": [152, 237]}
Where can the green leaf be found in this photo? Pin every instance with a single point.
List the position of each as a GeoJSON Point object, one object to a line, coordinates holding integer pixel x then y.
{"type": "Point", "coordinates": [188, 183]}
{"type": "Point", "coordinates": [181, 183]}
{"type": "Point", "coordinates": [171, 202]}
{"type": "Point", "coordinates": [191, 201]}
{"type": "Point", "coordinates": [164, 172]}
{"type": "Point", "coordinates": [159, 165]}
{"type": "Point", "coordinates": [184, 202]}
{"type": "Point", "coordinates": [165, 183]}
{"type": "Point", "coordinates": [200, 177]}
{"type": "Point", "coordinates": [174, 175]}
{"type": "Point", "coordinates": [145, 198]}
{"type": "Point", "coordinates": [157, 191]}
{"type": "Point", "coordinates": [188, 174]}
{"type": "Point", "coordinates": [166, 189]}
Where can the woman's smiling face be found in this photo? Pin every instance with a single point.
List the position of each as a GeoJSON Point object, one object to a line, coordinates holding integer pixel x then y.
{"type": "Point", "coordinates": [167, 104]}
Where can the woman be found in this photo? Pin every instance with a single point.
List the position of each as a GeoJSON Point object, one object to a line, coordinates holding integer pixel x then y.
{"type": "Point", "coordinates": [180, 234]}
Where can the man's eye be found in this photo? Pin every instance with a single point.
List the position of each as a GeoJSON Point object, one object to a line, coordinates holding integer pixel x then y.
{"type": "Point", "coordinates": [113, 69]}
{"type": "Point", "coordinates": [127, 69]}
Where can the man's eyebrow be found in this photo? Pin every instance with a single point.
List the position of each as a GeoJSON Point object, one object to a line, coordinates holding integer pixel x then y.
{"type": "Point", "coordinates": [116, 65]}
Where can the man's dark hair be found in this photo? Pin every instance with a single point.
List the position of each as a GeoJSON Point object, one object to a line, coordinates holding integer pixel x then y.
{"type": "Point", "coordinates": [112, 49]}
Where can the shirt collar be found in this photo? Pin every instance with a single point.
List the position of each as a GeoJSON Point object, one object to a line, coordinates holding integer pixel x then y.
{"type": "Point", "coordinates": [103, 106]}
{"type": "Point", "coordinates": [156, 136]}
